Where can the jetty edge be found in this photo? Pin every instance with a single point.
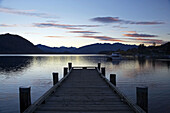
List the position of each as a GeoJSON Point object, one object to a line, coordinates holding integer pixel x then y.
{"type": "Point", "coordinates": [86, 89]}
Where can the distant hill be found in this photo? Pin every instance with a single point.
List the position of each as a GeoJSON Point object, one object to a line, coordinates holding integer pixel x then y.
{"type": "Point", "coordinates": [14, 44]}
{"type": "Point", "coordinates": [56, 49]}
{"type": "Point", "coordinates": [166, 46]}
{"type": "Point", "coordinates": [91, 49]}
{"type": "Point", "coordinates": [98, 48]}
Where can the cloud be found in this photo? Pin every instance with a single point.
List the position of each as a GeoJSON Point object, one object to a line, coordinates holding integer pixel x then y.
{"type": "Point", "coordinates": [142, 38]}
{"type": "Point", "coordinates": [139, 35]}
{"type": "Point", "coordinates": [54, 36]}
{"type": "Point", "coordinates": [148, 41]}
{"type": "Point", "coordinates": [7, 25]}
{"type": "Point", "coordinates": [117, 20]}
{"type": "Point", "coordinates": [103, 38]}
{"type": "Point", "coordinates": [64, 26]}
{"type": "Point", "coordinates": [106, 19]}
{"type": "Point", "coordinates": [119, 27]}
{"type": "Point", "coordinates": [25, 12]}
{"type": "Point", "coordinates": [84, 32]}
{"type": "Point", "coordinates": [130, 32]}
{"type": "Point", "coordinates": [52, 21]}
{"type": "Point", "coordinates": [146, 23]}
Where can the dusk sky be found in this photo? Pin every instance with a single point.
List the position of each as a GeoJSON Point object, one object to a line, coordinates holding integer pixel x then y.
{"type": "Point", "coordinates": [77, 23]}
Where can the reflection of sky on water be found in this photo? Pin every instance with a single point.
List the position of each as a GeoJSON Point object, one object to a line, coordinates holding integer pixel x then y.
{"type": "Point", "coordinates": [151, 73]}
{"type": "Point", "coordinates": [35, 71]}
{"type": "Point", "coordinates": [10, 65]}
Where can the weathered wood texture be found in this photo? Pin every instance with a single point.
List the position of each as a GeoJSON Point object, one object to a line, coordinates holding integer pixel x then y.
{"type": "Point", "coordinates": [103, 71]}
{"type": "Point", "coordinates": [99, 66]}
{"type": "Point", "coordinates": [84, 91]}
{"type": "Point", "coordinates": [25, 98]}
{"type": "Point", "coordinates": [113, 79]}
{"type": "Point", "coordinates": [69, 66]}
{"type": "Point", "coordinates": [65, 71]}
{"type": "Point", "coordinates": [55, 78]}
{"type": "Point", "coordinates": [142, 97]}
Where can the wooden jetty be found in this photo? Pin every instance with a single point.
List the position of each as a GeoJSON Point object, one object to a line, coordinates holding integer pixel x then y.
{"type": "Point", "coordinates": [83, 90]}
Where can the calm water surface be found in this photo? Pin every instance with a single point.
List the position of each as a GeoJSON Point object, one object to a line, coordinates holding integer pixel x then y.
{"type": "Point", "coordinates": [35, 71]}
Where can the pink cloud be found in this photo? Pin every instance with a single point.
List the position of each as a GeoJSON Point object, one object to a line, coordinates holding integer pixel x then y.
{"type": "Point", "coordinates": [7, 25]}
{"type": "Point", "coordinates": [133, 32]}
{"type": "Point", "coordinates": [147, 40]}
{"type": "Point", "coordinates": [117, 20]}
{"type": "Point", "coordinates": [54, 36]}
{"type": "Point", "coordinates": [64, 26]}
{"type": "Point", "coordinates": [139, 35]}
{"type": "Point", "coordinates": [103, 38]}
{"type": "Point", "coordinates": [84, 32]}
{"type": "Point", "coordinates": [25, 12]}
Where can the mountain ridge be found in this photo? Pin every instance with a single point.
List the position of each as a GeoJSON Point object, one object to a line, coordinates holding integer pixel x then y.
{"type": "Point", "coordinates": [87, 49]}
{"type": "Point", "coordinates": [15, 44]}
{"type": "Point", "coordinates": [55, 49]}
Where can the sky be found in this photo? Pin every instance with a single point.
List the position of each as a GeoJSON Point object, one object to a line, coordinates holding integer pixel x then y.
{"type": "Point", "coordinates": [75, 23]}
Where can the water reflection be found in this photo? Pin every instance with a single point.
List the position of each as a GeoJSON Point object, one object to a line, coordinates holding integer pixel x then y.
{"type": "Point", "coordinates": [142, 62]}
{"type": "Point", "coordinates": [165, 62]}
{"type": "Point", "coordinates": [13, 64]}
{"type": "Point", "coordinates": [168, 64]}
{"type": "Point", "coordinates": [36, 72]}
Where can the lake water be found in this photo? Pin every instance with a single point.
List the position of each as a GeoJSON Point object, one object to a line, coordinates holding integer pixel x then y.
{"type": "Point", "coordinates": [35, 71]}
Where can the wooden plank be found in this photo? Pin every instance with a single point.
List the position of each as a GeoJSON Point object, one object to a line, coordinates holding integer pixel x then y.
{"type": "Point", "coordinates": [87, 67]}
{"type": "Point", "coordinates": [136, 108]}
{"type": "Point", "coordinates": [83, 108]}
{"type": "Point", "coordinates": [83, 99]}
{"type": "Point", "coordinates": [87, 90]}
{"type": "Point", "coordinates": [84, 90]}
{"type": "Point", "coordinates": [85, 93]}
{"type": "Point", "coordinates": [86, 102]}
{"type": "Point", "coordinates": [83, 112]}
{"type": "Point", "coordinates": [32, 108]}
{"type": "Point", "coordinates": [66, 94]}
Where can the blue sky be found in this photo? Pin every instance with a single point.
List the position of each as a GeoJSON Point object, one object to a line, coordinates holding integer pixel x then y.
{"type": "Point", "coordinates": [77, 23]}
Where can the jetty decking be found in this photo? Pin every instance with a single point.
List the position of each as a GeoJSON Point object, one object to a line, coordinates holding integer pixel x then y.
{"type": "Point", "coordinates": [83, 90]}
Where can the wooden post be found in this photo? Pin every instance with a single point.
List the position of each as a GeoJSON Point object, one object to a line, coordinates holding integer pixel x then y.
{"type": "Point", "coordinates": [103, 71]}
{"type": "Point", "coordinates": [99, 66]}
{"type": "Point", "coordinates": [84, 67]}
{"type": "Point", "coordinates": [65, 71]}
{"type": "Point", "coordinates": [142, 97]}
{"type": "Point", "coordinates": [25, 98]}
{"type": "Point", "coordinates": [113, 79]}
{"type": "Point", "coordinates": [69, 66]}
{"type": "Point", "coordinates": [55, 78]}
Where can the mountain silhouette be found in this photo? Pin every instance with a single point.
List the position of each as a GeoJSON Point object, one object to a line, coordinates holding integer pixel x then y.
{"type": "Point", "coordinates": [14, 44]}
{"type": "Point", "coordinates": [88, 49]}
{"type": "Point", "coordinates": [56, 49]}
{"type": "Point", "coordinates": [97, 48]}
{"type": "Point", "coordinates": [165, 48]}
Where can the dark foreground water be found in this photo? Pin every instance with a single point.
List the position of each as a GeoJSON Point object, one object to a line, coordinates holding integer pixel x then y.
{"type": "Point", "coordinates": [35, 71]}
